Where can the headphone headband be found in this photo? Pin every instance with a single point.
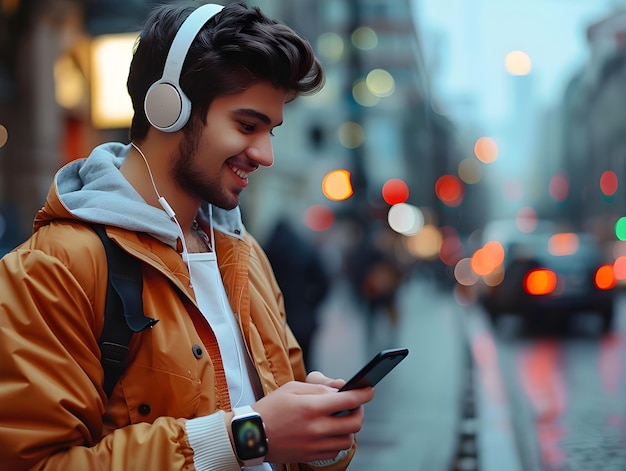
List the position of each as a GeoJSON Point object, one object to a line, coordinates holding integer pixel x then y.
{"type": "Point", "coordinates": [166, 105]}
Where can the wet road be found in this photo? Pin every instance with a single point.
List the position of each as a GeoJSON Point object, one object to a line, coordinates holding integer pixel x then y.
{"type": "Point", "coordinates": [469, 397]}
{"type": "Point", "coordinates": [564, 394]}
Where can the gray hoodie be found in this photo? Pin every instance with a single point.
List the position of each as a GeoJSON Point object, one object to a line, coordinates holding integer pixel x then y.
{"type": "Point", "coordinates": [95, 191]}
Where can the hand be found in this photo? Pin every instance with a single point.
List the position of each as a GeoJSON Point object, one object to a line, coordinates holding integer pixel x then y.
{"type": "Point", "coordinates": [299, 420]}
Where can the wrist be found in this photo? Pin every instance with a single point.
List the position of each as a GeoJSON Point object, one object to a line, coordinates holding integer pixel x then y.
{"type": "Point", "coordinates": [247, 435]}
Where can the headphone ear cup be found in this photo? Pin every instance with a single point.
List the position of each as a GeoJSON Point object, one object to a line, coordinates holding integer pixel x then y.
{"type": "Point", "coordinates": [166, 106]}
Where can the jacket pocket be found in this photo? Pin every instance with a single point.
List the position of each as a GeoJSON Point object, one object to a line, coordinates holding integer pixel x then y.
{"type": "Point", "coordinates": [152, 393]}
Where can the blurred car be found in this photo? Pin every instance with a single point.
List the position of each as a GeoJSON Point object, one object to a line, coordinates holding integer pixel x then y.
{"type": "Point", "coordinates": [547, 276]}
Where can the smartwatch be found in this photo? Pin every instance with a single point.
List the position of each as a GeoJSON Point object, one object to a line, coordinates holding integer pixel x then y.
{"type": "Point", "coordinates": [249, 436]}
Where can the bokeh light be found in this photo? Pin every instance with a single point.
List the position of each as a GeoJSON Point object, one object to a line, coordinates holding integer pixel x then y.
{"type": "Point", "coordinates": [405, 219]}
{"type": "Point", "coordinates": [526, 219]}
{"type": "Point", "coordinates": [481, 263]}
{"type": "Point", "coordinates": [517, 63]}
{"type": "Point", "coordinates": [449, 189]}
{"type": "Point", "coordinates": [618, 249]}
{"type": "Point", "coordinates": [565, 243]}
{"type": "Point", "coordinates": [558, 187]}
{"type": "Point", "coordinates": [540, 281]}
{"type": "Point", "coordinates": [426, 244]}
{"type": "Point", "coordinates": [4, 135]}
{"type": "Point", "coordinates": [318, 217]}
{"type": "Point", "coordinates": [364, 38]}
{"type": "Point", "coordinates": [486, 259]}
{"type": "Point", "coordinates": [605, 277]}
{"type": "Point", "coordinates": [495, 252]}
{"type": "Point", "coordinates": [620, 228]}
{"type": "Point", "coordinates": [337, 186]}
{"type": "Point", "coordinates": [469, 171]}
{"type": "Point", "coordinates": [486, 150]}
{"type": "Point", "coordinates": [451, 251]}
{"type": "Point", "coordinates": [111, 106]}
{"type": "Point", "coordinates": [495, 277]}
{"type": "Point", "coordinates": [363, 96]}
{"type": "Point", "coordinates": [380, 83]}
{"type": "Point", "coordinates": [619, 267]}
{"type": "Point", "coordinates": [351, 135]}
{"type": "Point", "coordinates": [463, 273]}
{"type": "Point", "coordinates": [608, 183]}
{"type": "Point", "coordinates": [70, 84]}
{"type": "Point", "coordinates": [330, 47]}
{"type": "Point", "coordinates": [395, 191]}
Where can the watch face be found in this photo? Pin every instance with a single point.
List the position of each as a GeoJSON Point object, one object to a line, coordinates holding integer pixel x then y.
{"type": "Point", "coordinates": [249, 436]}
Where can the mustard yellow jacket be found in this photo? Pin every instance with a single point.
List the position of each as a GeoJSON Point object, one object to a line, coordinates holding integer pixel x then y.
{"type": "Point", "coordinates": [54, 413]}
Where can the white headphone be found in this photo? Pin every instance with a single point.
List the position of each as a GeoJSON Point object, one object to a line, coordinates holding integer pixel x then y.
{"type": "Point", "coordinates": [166, 105]}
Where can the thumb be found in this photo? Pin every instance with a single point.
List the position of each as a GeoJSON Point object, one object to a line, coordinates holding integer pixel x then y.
{"type": "Point", "coordinates": [316, 377]}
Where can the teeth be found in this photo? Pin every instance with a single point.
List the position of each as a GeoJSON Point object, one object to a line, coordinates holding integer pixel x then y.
{"type": "Point", "coordinates": [240, 173]}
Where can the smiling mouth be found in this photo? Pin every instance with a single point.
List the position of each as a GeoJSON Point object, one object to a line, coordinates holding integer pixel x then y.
{"type": "Point", "coordinates": [239, 172]}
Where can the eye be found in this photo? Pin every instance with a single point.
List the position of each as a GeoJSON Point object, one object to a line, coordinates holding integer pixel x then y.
{"type": "Point", "coordinates": [248, 127]}
{"type": "Point", "coordinates": [251, 128]}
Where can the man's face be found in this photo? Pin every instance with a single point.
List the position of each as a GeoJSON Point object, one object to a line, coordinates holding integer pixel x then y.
{"type": "Point", "coordinates": [235, 141]}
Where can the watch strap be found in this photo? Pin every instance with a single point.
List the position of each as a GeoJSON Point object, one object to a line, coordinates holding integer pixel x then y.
{"type": "Point", "coordinates": [244, 410]}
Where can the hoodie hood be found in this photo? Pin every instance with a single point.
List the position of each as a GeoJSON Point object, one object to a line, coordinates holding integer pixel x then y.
{"type": "Point", "coordinates": [95, 191]}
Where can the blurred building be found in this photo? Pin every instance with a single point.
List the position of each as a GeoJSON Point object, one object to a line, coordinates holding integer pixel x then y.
{"type": "Point", "coordinates": [373, 117]}
{"type": "Point", "coordinates": [593, 137]}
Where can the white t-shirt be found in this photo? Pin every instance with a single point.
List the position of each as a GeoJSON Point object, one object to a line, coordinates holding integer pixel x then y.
{"type": "Point", "coordinates": [214, 305]}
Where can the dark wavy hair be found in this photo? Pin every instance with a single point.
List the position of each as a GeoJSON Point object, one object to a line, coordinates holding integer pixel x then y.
{"type": "Point", "coordinates": [238, 47]}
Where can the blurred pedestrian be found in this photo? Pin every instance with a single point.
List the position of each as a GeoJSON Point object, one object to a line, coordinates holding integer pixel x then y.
{"type": "Point", "coordinates": [303, 279]}
{"type": "Point", "coordinates": [375, 274]}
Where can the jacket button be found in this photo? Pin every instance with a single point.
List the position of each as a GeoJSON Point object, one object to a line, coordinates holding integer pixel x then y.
{"type": "Point", "coordinates": [197, 350]}
{"type": "Point", "coordinates": [143, 409]}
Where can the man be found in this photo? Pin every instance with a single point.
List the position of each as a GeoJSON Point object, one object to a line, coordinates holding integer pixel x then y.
{"type": "Point", "coordinates": [170, 199]}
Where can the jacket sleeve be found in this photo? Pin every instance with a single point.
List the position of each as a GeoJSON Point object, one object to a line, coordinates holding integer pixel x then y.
{"type": "Point", "coordinates": [51, 396]}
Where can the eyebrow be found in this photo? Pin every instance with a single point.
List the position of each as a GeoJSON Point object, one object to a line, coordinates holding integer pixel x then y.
{"type": "Point", "coordinates": [248, 112]}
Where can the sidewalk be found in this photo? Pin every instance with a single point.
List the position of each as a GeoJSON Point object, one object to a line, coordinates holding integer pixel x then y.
{"type": "Point", "coordinates": [412, 423]}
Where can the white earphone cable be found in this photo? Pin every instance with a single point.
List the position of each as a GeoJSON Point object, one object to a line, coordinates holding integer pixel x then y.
{"type": "Point", "coordinates": [168, 209]}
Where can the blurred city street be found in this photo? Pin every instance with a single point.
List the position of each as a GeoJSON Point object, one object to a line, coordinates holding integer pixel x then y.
{"type": "Point", "coordinates": [543, 403]}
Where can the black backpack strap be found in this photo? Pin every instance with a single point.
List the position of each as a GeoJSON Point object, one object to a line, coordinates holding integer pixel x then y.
{"type": "Point", "coordinates": [124, 289]}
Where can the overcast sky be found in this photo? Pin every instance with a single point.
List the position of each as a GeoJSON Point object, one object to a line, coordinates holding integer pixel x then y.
{"type": "Point", "coordinates": [467, 41]}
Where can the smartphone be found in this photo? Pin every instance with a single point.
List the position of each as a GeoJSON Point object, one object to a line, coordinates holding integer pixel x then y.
{"type": "Point", "coordinates": [374, 371]}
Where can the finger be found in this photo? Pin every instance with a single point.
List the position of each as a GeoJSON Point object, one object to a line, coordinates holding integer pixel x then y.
{"type": "Point", "coordinates": [347, 401]}
{"type": "Point", "coordinates": [315, 377]}
{"type": "Point", "coordinates": [336, 383]}
{"type": "Point", "coordinates": [329, 447]}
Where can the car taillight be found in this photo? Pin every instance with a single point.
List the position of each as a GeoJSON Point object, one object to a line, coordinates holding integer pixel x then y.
{"type": "Point", "coordinates": [605, 277]}
{"type": "Point", "coordinates": [540, 281]}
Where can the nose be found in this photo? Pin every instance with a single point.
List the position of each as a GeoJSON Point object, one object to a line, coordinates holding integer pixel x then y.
{"type": "Point", "coordinates": [262, 151]}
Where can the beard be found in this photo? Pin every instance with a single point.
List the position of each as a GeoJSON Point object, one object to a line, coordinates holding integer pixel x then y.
{"type": "Point", "coordinates": [190, 178]}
